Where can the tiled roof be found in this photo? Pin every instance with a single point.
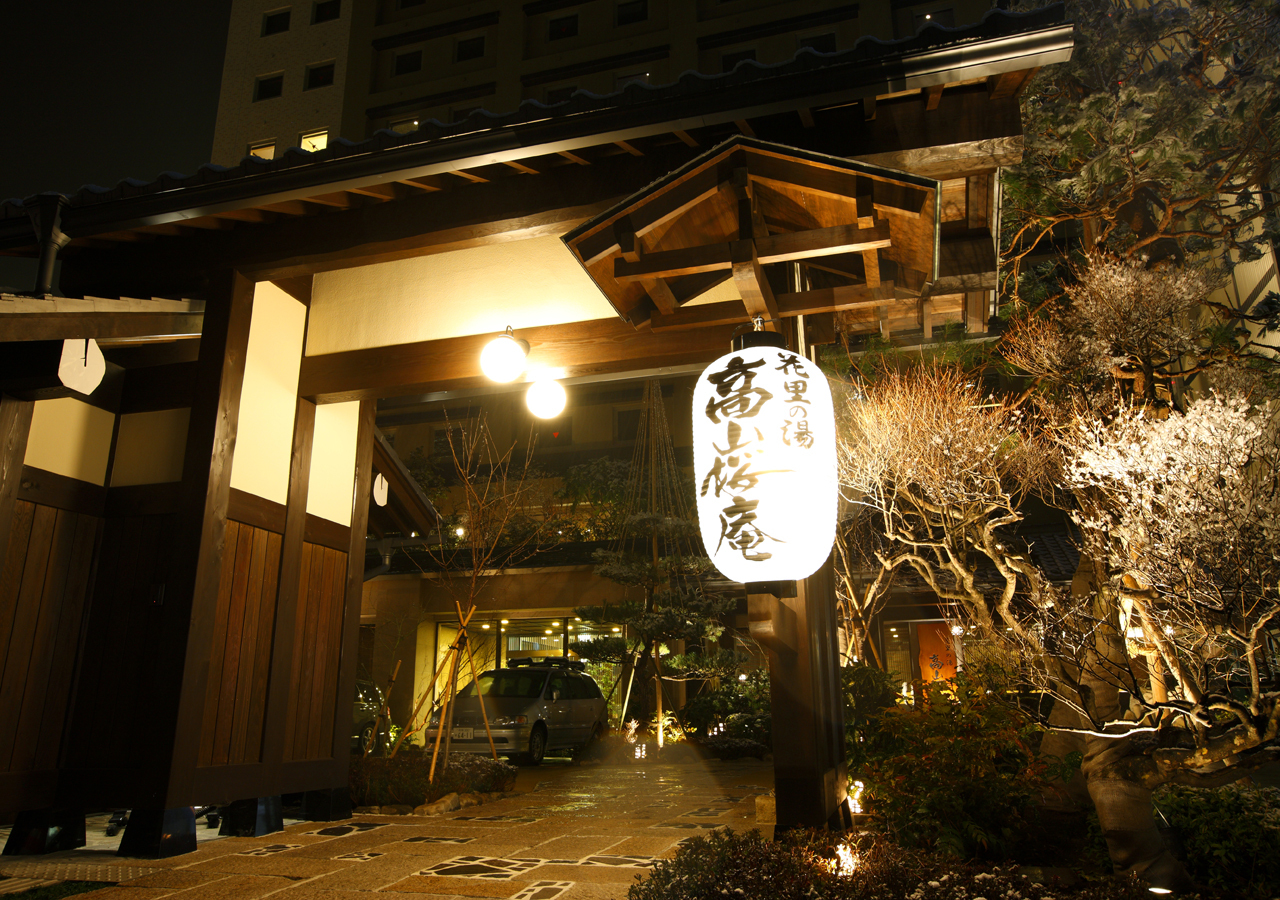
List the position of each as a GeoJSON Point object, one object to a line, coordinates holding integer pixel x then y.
{"type": "Point", "coordinates": [868, 52]}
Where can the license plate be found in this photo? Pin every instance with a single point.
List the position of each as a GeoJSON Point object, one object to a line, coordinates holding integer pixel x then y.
{"type": "Point", "coordinates": [463, 734]}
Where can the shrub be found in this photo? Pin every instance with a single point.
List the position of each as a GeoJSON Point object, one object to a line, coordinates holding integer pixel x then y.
{"type": "Point", "coordinates": [956, 773]}
{"type": "Point", "coordinates": [402, 780]}
{"type": "Point", "coordinates": [801, 864]}
{"type": "Point", "coordinates": [722, 747]}
{"type": "Point", "coordinates": [741, 706]}
{"type": "Point", "coordinates": [1230, 835]}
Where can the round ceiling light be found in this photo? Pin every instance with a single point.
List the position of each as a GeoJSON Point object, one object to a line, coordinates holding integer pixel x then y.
{"type": "Point", "coordinates": [502, 359]}
{"type": "Point", "coordinates": [545, 398]}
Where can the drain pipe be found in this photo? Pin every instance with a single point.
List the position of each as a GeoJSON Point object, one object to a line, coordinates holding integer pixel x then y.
{"type": "Point", "coordinates": [382, 569]}
{"type": "Point", "coordinates": [45, 211]}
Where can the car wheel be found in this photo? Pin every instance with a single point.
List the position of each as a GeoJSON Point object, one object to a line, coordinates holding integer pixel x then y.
{"type": "Point", "coordinates": [366, 735]}
{"type": "Point", "coordinates": [537, 746]}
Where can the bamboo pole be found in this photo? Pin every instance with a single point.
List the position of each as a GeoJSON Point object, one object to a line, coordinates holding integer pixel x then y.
{"type": "Point", "coordinates": [386, 703]}
{"type": "Point", "coordinates": [427, 692]}
{"type": "Point", "coordinates": [444, 709]}
{"type": "Point", "coordinates": [484, 716]}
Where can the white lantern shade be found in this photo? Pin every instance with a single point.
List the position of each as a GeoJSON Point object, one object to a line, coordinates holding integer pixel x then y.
{"type": "Point", "coordinates": [502, 359]}
{"type": "Point", "coordinates": [82, 365]}
{"type": "Point", "coordinates": [545, 398]}
{"type": "Point", "coordinates": [764, 460]}
{"type": "Point", "coordinates": [380, 488]}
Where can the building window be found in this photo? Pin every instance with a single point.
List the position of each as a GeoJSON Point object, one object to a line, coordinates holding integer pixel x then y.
{"type": "Point", "coordinates": [823, 43]}
{"type": "Point", "coordinates": [633, 11]}
{"type": "Point", "coordinates": [404, 126]}
{"type": "Point", "coordinates": [729, 60]}
{"type": "Point", "coordinates": [560, 94]}
{"type": "Point", "coordinates": [621, 81]}
{"type": "Point", "coordinates": [626, 424]}
{"type": "Point", "coordinates": [268, 87]}
{"type": "Point", "coordinates": [319, 76]}
{"type": "Point", "coordinates": [326, 11]}
{"type": "Point", "coordinates": [407, 62]}
{"type": "Point", "coordinates": [564, 27]}
{"type": "Point", "coordinates": [263, 149]}
{"type": "Point", "coordinates": [469, 48]}
{"type": "Point", "coordinates": [275, 22]}
{"type": "Point", "coordinates": [314, 140]}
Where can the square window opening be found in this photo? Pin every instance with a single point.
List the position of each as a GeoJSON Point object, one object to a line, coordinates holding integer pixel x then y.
{"type": "Point", "coordinates": [563, 27]}
{"type": "Point", "coordinates": [275, 22]}
{"type": "Point", "coordinates": [263, 149]}
{"type": "Point", "coordinates": [268, 87]}
{"type": "Point", "coordinates": [313, 141]}
{"type": "Point", "coordinates": [632, 11]}
{"type": "Point", "coordinates": [560, 94]}
{"type": "Point", "coordinates": [469, 48]}
{"type": "Point", "coordinates": [407, 62]}
{"type": "Point", "coordinates": [729, 60]}
{"type": "Point", "coordinates": [621, 81]}
{"type": "Point", "coordinates": [319, 76]}
{"type": "Point", "coordinates": [823, 43]}
{"type": "Point", "coordinates": [404, 126]}
{"type": "Point", "coordinates": [326, 11]}
{"type": "Point", "coordinates": [944, 17]}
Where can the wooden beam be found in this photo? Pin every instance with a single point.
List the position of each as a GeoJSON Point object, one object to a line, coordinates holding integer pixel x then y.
{"type": "Point", "coordinates": [598, 347]}
{"type": "Point", "coordinates": [350, 647]}
{"type": "Point", "coordinates": [470, 176]}
{"type": "Point", "coordinates": [298, 287]}
{"type": "Point", "coordinates": [654, 212]}
{"type": "Point", "coordinates": [745, 127]}
{"type": "Point", "coordinates": [572, 157]}
{"type": "Point", "coordinates": [753, 286]}
{"type": "Point", "coordinates": [630, 148]}
{"type": "Point", "coordinates": [774, 248]}
{"type": "Point", "coordinates": [806, 116]}
{"type": "Point", "coordinates": [975, 312]}
{"type": "Point", "coordinates": [337, 199]}
{"type": "Point", "coordinates": [660, 294]}
{"type": "Point", "coordinates": [733, 312]}
{"type": "Point", "coordinates": [932, 96]}
{"type": "Point", "coordinates": [520, 167]}
{"type": "Point", "coordinates": [198, 531]}
{"type": "Point", "coordinates": [15, 426]}
{"type": "Point", "coordinates": [686, 138]}
{"type": "Point", "coordinates": [377, 191]}
{"type": "Point", "coordinates": [60, 326]}
{"type": "Point", "coordinates": [287, 585]}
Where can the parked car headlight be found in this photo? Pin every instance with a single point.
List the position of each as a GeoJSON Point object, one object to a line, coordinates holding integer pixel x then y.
{"type": "Point", "coordinates": [435, 721]}
{"type": "Point", "coordinates": [501, 721]}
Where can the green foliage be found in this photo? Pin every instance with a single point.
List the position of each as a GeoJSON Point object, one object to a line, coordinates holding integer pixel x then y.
{"type": "Point", "coordinates": [868, 694]}
{"type": "Point", "coordinates": [402, 779]}
{"type": "Point", "coordinates": [799, 865]}
{"type": "Point", "coordinates": [957, 773]}
{"type": "Point", "coordinates": [1230, 835]}
{"type": "Point", "coordinates": [742, 707]}
{"type": "Point", "coordinates": [596, 493]}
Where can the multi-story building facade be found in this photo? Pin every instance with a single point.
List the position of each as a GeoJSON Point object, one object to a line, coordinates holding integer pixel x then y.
{"type": "Point", "coordinates": [301, 74]}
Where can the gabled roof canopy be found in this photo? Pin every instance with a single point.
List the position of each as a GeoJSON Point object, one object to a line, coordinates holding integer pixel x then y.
{"type": "Point", "coordinates": [749, 211]}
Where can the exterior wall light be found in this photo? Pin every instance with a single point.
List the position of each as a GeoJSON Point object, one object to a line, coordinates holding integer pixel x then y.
{"type": "Point", "coordinates": [545, 398]}
{"type": "Point", "coordinates": [502, 359]}
{"type": "Point", "coordinates": [764, 461]}
{"type": "Point", "coordinates": [380, 490]}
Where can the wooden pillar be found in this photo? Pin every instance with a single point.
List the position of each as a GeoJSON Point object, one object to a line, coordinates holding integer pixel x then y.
{"type": "Point", "coordinates": [190, 593]}
{"type": "Point", "coordinates": [799, 635]}
{"type": "Point", "coordinates": [15, 426]}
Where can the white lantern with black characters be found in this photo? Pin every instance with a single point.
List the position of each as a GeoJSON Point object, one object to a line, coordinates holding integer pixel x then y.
{"type": "Point", "coordinates": [764, 460]}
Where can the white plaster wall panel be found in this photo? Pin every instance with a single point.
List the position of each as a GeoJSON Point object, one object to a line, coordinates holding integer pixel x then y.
{"type": "Point", "coordinates": [269, 396]}
{"type": "Point", "coordinates": [69, 437]}
{"type": "Point", "coordinates": [150, 447]}
{"type": "Point", "coordinates": [477, 291]}
{"type": "Point", "coordinates": [333, 462]}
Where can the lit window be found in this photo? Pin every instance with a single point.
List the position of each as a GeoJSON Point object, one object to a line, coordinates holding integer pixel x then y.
{"type": "Point", "coordinates": [469, 48]}
{"type": "Point", "coordinates": [560, 94]}
{"type": "Point", "coordinates": [314, 140]}
{"type": "Point", "coordinates": [268, 87]}
{"type": "Point", "coordinates": [263, 149]}
{"type": "Point", "coordinates": [823, 43]}
{"type": "Point", "coordinates": [633, 11]}
{"type": "Point", "coordinates": [326, 11]}
{"type": "Point", "coordinates": [319, 76]}
{"type": "Point", "coordinates": [729, 60]}
{"type": "Point", "coordinates": [275, 22]}
{"type": "Point", "coordinates": [944, 17]}
{"type": "Point", "coordinates": [404, 126]}
{"type": "Point", "coordinates": [407, 62]}
{"type": "Point", "coordinates": [564, 27]}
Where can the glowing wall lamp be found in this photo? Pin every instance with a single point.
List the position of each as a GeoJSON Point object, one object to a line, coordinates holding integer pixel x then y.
{"type": "Point", "coordinates": [545, 398]}
{"type": "Point", "coordinates": [764, 460]}
{"type": "Point", "coordinates": [502, 359]}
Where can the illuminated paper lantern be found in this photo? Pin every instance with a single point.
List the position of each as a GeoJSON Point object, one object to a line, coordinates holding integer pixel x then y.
{"type": "Point", "coordinates": [764, 460]}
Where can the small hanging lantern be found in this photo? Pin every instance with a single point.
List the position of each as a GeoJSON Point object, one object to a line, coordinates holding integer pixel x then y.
{"type": "Point", "coordinates": [764, 460]}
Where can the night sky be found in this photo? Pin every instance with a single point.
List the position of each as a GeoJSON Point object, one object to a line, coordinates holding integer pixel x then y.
{"type": "Point", "coordinates": [92, 92]}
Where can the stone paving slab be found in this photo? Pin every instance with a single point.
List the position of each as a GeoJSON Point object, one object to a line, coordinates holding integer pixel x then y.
{"type": "Point", "coordinates": [572, 832]}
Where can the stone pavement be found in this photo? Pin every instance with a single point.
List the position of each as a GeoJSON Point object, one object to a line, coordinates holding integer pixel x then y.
{"type": "Point", "coordinates": [573, 832]}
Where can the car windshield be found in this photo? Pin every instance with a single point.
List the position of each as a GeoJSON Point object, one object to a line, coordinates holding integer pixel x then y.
{"type": "Point", "coordinates": [508, 683]}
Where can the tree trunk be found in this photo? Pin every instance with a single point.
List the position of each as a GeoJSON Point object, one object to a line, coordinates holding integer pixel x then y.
{"type": "Point", "coordinates": [1127, 818]}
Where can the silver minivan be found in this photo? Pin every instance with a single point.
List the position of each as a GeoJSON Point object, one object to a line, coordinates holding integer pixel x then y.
{"type": "Point", "coordinates": [534, 705]}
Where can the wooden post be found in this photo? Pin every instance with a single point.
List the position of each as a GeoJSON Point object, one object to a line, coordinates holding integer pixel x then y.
{"type": "Point", "coordinates": [15, 426]}
{"type": "Point", "coordinates": [799, 633]}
